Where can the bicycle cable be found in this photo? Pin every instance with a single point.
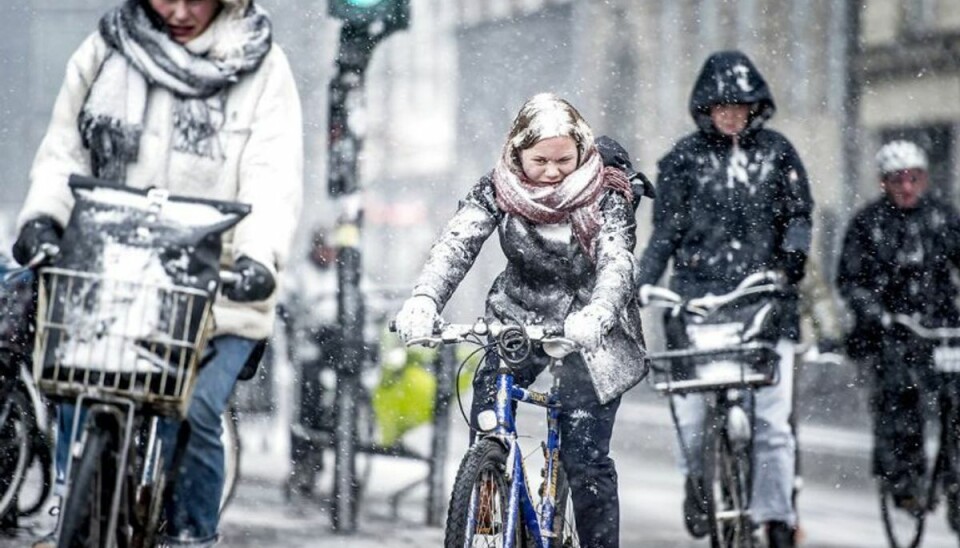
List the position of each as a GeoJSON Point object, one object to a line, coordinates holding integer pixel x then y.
{"type": "Point", "coordinates": [487, 349]}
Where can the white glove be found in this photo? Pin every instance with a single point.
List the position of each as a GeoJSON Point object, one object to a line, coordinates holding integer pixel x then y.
{"type": "Point", "coordinates": [417, 318]}
{"type": "Point", "coordinates": [588, 325]}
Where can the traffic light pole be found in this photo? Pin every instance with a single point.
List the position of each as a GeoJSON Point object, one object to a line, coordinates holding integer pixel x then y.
{"type": "Point", "coordinates": [345, 142]}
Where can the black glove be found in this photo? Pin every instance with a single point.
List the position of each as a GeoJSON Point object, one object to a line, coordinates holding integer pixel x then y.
{"type": "Point", "coordinates": [256, 282]}
{"type": "Point", "coordinates": [614, 155]}
{"type": "Point", "coordinates": [42, 230]}
{"type": "Point", "coordinates": [794, 263]}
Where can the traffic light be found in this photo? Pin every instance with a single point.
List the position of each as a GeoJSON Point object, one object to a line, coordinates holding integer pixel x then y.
{"type": "Point", "coordinates": [395, 14]}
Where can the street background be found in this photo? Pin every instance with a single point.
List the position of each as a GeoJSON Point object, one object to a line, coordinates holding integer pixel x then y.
{"type": "Point", "coordinates": [847, 75]}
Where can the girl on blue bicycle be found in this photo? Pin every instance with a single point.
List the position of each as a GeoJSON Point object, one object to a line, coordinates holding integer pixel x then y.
{"type": "Point", "coordinates": [566, 225]}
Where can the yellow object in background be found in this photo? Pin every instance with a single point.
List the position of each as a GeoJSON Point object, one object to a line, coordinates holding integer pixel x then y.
{"type": "Point", "coordinates": [405, 396]}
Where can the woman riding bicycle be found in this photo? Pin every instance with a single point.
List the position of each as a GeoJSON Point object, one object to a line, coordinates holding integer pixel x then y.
{"type": "Point", "coordinates": [567, 228]}
{"type": "Point", "coordinates": [189, 96]}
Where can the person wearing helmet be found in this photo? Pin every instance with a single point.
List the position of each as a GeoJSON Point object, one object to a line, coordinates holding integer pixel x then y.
{"type": "Point", "coordinates": [897, 257]}
{"type": "Point", "coordinates": [733, 199]}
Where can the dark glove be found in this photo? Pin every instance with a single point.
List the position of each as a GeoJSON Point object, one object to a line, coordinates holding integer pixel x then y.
{"type": "Point", "coordinates": [614, 155]}
{"type": "Point", "coordinates": [42, 230]}
{"type": "Point", "coordinates": [256, 282]}
{"type": "Point", "coordinates": [794, 263]}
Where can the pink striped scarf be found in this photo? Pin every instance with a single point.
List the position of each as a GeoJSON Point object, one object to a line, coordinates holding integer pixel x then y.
{"type": "Point", "coordinates": [576, 198]}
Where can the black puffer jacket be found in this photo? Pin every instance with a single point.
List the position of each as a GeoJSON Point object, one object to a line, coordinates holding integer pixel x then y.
{"type": "Point", "coordinates": [726, 209]}
{"type": "Point", "coordinates": [899, 261]}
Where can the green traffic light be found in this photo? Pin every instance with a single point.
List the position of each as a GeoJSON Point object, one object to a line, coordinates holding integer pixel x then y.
{"type": "Point", "coordinates": [364, 3]}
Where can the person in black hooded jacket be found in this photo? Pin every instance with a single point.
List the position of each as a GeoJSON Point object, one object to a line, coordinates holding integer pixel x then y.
{"type": "Point", "coordinates": [733, 199]}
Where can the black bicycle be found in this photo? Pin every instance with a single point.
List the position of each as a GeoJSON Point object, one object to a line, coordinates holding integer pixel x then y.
{"type": "Point", "coordinates": [26, 461]}
{"type": "Point", "coordinates": [904, 526]}
{"type": "Point", "coordinates": [721, 346]}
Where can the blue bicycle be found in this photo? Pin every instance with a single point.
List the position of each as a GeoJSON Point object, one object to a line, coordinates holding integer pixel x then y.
{"type": "Point", "coordinates": [491, 503]}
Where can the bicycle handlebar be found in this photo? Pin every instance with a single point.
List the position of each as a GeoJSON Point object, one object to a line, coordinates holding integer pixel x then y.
{"type": "Point", "coordinates": [550, 337]}
{"type": "Point", "coordinates": [229, 278]}
{"type": "Point", "coordinates": [920, 330]}
{"type": "Point", "coordinates": [767, 281]}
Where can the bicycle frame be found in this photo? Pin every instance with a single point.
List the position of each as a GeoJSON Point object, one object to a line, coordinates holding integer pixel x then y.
{"type": "Point", "coordinates": [520, 503]}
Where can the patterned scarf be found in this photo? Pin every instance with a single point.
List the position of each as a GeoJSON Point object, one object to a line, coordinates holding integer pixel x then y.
{"type": "Point", "coordinates": [575, 199]}
{"type": "Point", "coordinates": [141, 55]}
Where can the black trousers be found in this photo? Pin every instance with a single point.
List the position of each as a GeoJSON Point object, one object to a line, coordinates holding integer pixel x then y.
{"type": "Point", "coordinates": [906, 394]}
{"type": "Point", "coordinates": [585, 430]}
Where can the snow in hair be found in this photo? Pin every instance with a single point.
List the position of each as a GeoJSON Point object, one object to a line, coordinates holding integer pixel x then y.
{"type": "Point", "coordinates": [545, 116]}
{"type": "Point", "coordinates": [238, 6]}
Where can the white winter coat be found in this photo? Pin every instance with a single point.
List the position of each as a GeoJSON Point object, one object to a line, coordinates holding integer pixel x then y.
{"type": "Point", "coordinates": [261, 164]}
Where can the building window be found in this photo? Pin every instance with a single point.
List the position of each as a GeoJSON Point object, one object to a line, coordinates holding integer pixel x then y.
{"type": "Point", "coordinates": [920, 16]}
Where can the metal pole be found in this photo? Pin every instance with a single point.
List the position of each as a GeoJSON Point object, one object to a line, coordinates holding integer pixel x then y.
{"type": "Point", "coordinates": [445, 370]}
{"type": "Point", "coordinates": [346, 99]}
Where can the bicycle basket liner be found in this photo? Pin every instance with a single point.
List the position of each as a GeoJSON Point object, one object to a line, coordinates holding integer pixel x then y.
{"type": "Point", "coordinates": [946, 357]}
{"type": "Point", "coordinates": [126, 307]}
{"type": "Point", "coordinates": [724, 345]}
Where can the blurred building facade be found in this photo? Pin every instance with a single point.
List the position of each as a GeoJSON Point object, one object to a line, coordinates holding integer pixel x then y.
{"type": "Point", "coordinates": [441, 95]}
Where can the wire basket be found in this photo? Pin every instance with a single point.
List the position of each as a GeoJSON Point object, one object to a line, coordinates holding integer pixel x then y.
{"type": "Point", "coordinates": [106, 337]}
{"type": "Point", "coordinates": [695, 370]}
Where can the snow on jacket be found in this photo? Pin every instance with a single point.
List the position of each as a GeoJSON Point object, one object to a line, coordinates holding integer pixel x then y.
{"type": "Point", "coordinates": [261, 164]}
{"type": "Point", "coordinates": [725, 210]}
{"type": "Point", "coordinates": [899, 261]}
{"type": "Point", "coordinates": [546, 278]}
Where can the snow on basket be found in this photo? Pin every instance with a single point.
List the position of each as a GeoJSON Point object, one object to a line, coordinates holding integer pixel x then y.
{"type": "Point", "coordinates": [129, 290]}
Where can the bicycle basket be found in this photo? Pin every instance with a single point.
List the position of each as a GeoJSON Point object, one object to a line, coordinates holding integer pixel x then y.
{"type": "Point", "coordinates": [133, 339]}
{"type": "Point", "coordinates": [732, 347]}
{"type": "Point", "coordinates": [124, 312]}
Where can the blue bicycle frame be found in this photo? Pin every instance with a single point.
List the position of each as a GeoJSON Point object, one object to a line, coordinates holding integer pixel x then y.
{"type": "Point", "coordinates": [520, 503]}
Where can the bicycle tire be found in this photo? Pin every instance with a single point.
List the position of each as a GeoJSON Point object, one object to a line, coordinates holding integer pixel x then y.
{"type": "Point", "coordinates": [482, 469]}
{"type": "Point", "coordinates": [914, 523]}
{"type": "Point", "coordinates": [91, 487]}
{"type": "Point", "coordinates": [564, 522]}
{"type": "Point", "coordinates": [727, 488]}
{"type": "Point", "coordinates": [41, 459]}
{"type": "Point", "coordinates": [15, 428]}
{"type": "Point", "coordinates": [231, 456]}
{"type": "Point", "coordinates": [950, 449]}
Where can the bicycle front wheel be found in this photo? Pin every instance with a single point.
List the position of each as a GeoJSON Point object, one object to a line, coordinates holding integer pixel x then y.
{"type": "Point", "coordinates": [477, 515]}
{"type": "Point", "coordinates": [86, 511]}
{"type": "Point", "coordinates": [564, 522]}
{"type": "Point", "coordinates": [16, 424]}
{"type": "Point", "coordinates": [904, 528]}
{"type": "Point", "coordinates": [727, 484]}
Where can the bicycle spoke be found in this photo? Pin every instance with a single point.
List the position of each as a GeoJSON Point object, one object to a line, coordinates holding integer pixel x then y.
{"type": "Point", "coordinates": [490, 515]}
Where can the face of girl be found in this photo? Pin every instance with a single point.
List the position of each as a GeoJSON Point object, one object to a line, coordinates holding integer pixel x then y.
{"type": "Point", "coordinates": [186, 19]}
{"type": "Point", "coordinates": [730, 119]}
{"type": "Point", "coordinates": [549, 161]}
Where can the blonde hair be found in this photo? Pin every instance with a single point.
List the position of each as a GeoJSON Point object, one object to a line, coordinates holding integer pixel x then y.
{"type": "Point", "coordinates": [545, 116]}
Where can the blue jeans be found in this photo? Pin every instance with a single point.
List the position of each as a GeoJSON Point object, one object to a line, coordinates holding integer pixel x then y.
{"type": "Point", "coordinates": [194, 511]}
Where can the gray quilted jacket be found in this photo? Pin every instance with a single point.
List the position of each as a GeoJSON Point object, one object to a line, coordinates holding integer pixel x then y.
{"type": "Point", "coordinates": [546, 279]}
